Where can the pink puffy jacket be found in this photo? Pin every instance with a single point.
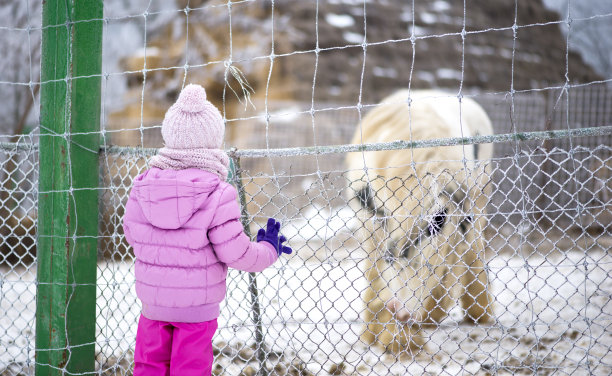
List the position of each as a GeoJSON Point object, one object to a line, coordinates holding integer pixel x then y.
{"type": "Point", "coordinates": [185, 229]}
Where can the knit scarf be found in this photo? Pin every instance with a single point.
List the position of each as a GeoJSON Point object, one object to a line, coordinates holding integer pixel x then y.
{"type": "Point", "coordinates": [211, 160]}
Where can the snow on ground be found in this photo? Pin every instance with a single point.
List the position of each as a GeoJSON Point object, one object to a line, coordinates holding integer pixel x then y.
{"type": "Point", "coordinates": [339, 20]}
{"type": "Point", "coordinates": [312, 308]}
{"type": "Point", "coordinates": [320, 223]}
{"type": "Point", "coordinates": [550, 313]}
{"type": "Point", "coordinates": [17, 309]}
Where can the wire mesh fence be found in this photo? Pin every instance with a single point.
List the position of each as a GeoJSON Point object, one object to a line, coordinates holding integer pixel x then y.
{"type": "Point", "coordinates": [550, 287]}
{"type": "Point", "coordinates": [17, 255]}
{"type": "Point", "coordinates": [548, 279]}
{"type": "Point", "coordinates": [384, 291]}
{"type": "Point", "coordinates": [548, 265]}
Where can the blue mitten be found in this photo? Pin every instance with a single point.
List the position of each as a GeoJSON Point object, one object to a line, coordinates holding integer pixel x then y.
{"type": "Point", "coordinates": [270, 235]}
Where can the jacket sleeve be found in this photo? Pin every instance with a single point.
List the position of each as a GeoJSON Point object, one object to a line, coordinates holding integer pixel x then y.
{"type": "Point", "coordinates": [231, 245]}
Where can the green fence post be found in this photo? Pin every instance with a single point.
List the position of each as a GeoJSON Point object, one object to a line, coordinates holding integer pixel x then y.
{"type": "Point", "coordinates": [68, 180]}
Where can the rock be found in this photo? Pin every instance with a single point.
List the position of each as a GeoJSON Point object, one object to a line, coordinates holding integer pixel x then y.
{"type": "Point", "coordinates": [486, 57]}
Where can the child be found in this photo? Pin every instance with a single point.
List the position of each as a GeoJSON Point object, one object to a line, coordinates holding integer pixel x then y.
{"type": "Point", "coordinates": [183, 221]}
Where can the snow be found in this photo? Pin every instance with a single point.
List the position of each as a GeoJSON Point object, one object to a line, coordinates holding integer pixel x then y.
{"type": "Point", "coordinates": [385, 72]}
{"type": "Point", "coordinates": [418, 31]}
{"type": "Point", "coordinates": [426, 76]}
{"type": "Point", "coordinates": [17, 312]}
{"type": "Point", "coordinates": [480, 50]}
{"type": "Point", "coordinates": [320, 224]}
{"type": "Point", "coordinates": [428, 18]}
{"type": "Point", "coordinates": [449, 74]}
{"type": "Point", "coordinates": [147, 52]}
{"type": "Point", "coordinates": [440, 6]}
{"type": "Point", "coordinates": [506, 53]}
{"type": "Point", "coordinates": [285, 116]}
{"type": "Point", "coordinates": [530, 58]}
{"type": "Point", "coordinates": [334, 90]}
{"type": "Point", "coordinates": [353, 38]}
{"type": "Point", "coordinates": [311, 308]}
{"type": "Point", "coordinates": [406, 15]}
{"type": "Point", "coordinates": [339, 20]}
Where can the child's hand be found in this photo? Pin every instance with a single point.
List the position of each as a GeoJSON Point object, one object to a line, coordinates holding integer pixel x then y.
{"type": "Point", "coordinates": [270, 235]}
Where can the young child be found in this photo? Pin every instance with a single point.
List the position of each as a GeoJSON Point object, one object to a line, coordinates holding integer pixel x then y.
{"type": "Point", "coordinates": [183, 221]}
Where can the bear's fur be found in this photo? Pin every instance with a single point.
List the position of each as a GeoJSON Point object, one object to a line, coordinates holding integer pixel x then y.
{"type": "Point", "coordinates": [423, 216]}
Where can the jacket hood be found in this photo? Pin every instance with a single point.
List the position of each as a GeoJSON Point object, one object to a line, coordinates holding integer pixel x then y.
{"type": "Point", "coordinates": [169, 198]}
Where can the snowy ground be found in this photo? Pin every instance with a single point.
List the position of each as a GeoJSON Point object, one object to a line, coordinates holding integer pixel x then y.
{"type": "Point", "coordinates": [551, 312]}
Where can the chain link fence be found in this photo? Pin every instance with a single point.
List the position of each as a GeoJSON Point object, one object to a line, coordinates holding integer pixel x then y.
{"type": "Point", "coordinates": [17, 256]}
{"type": "Point", "coordinates": [549, 281]}
{"type": "Point", "coordinates": [548, 264]}
{"type": "Point", "coordinates": [546, 232]}
{"type": "Point", "coordinates": [548, 240]}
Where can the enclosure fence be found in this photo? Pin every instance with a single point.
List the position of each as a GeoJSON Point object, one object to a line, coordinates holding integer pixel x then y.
{"type": "Point", "coordinates": [68, 304]}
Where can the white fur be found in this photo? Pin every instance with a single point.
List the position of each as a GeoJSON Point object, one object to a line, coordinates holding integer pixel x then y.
{"type": "Point", "coordinates": [412, 275]}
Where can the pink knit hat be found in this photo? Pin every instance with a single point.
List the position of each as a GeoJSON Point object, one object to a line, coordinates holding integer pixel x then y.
{"type": "Point", "coordinates": [193, 131]}
{"type": "Point", "coordinates": [193, 122]}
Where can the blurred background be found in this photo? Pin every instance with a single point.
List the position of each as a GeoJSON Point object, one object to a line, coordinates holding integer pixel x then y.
{"type": "Point", "coordinates": [152, 47]}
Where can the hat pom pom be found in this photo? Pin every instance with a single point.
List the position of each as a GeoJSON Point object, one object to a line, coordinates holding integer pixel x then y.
{"type": "Point", "coordinates": [192, 98]}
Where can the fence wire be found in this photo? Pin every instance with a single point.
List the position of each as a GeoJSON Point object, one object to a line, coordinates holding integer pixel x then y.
{"type": "Point", "coordinates": [548, 268]}
{"type": "Point", "coordinates": [547, 257]}
{"type": "Point", "coordinates": [329, 308]}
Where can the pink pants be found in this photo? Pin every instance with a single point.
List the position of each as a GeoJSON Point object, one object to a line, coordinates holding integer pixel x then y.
{"type": "Point", "coordinates": [173, 348]}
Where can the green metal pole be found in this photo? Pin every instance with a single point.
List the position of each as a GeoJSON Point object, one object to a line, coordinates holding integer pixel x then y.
{"type": "Point", "coordinates": [68, 180]}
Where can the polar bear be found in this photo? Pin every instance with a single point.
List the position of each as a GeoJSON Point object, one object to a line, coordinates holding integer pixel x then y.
{"type": "Point", "coordinates": [422, 213]}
